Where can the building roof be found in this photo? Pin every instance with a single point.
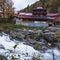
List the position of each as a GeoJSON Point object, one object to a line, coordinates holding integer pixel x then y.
{"type": "Point", "coordinates": [37, 18]}
{"type": "Point", "coordinates": [50, 16]}
{"type": "Point", "coordinates": [25, 14]}
{"type": "Point", "coordinates": [39, 8]}
{"type": "Point", "coordinates": [53, 14]}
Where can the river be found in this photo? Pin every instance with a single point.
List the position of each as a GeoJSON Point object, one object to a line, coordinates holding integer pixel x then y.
{"type": "Point", "coordinates": [23, 51]}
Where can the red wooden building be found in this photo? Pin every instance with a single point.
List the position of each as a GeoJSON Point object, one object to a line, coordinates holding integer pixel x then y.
{"type": "Point", "coordinates": [39, 14]}
{"type": "Point", "coordinates": [56, 17]}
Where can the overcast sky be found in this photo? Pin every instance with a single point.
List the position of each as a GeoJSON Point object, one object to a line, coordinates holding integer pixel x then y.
{"type": "Point", "coordinates": [20, 4]}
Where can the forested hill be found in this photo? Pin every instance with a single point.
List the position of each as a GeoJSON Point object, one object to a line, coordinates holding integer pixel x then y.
{"type": "Point", "coordinates": [50, 5]}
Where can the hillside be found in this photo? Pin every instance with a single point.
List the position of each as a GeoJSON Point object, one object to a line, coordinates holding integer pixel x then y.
{"type": "Point", "coordinates": [50, 5]}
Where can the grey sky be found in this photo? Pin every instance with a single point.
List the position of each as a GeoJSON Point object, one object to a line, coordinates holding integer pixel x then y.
{"type": "Point", "coordinates": [20, 4]}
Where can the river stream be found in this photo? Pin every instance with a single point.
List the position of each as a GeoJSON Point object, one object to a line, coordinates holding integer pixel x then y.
{"type": "Point", "coordinates": [23, 51]}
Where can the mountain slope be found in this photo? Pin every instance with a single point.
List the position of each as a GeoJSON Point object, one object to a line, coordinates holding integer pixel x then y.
{"type": "Point", "coordinates": [50, 5]}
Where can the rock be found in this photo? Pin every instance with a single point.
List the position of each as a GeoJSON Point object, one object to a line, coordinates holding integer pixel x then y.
{"type": "Point", "coordinates": [1, 34]}
{"type": "Point", "coordinates": [5, 58]}
{"type": "Point", "coordinates": [31, 41]}
{"type": "Point", "coordinates": [45, 31]}
{"type": "Point", "coordinates": [37, 46]}
{"type": "Point", "coordinates": [49, 33]}
{"type": "Point", "coordinates": [31, 36]}
{"type": "Point", "coordinates": [2, 47]}
{"type": "Point", "coordinates": [58, 45]}
{"type": "Point", "coordinates": [50, 37]}
{"type": "Point", "coordinates": [13, 34]}
{"type": "Point", "coordinates": [53, 28]}
{"type": "Point", "coordinates": [31, 31]}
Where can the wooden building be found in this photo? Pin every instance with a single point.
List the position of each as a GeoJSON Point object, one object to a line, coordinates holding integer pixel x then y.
{"type": "Point", "coordinates": [56, 17]}
{"type": "Point", "coordinates": [38, 14]}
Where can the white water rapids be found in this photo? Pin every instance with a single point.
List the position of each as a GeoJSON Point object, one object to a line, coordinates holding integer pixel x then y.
{"type": "Point", "coordinates": [7, 50]}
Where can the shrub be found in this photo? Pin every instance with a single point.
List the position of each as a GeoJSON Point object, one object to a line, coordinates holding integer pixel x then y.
{"type": "Point", "coordinates": [37, 46]}
{"type": "Point", "coordinates": [58, 34]}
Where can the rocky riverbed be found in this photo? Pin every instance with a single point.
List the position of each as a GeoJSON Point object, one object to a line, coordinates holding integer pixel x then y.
{"type": "Point", "coordinates": [44, 41]}
{"type": "Point", "coordinates": [39, 39]}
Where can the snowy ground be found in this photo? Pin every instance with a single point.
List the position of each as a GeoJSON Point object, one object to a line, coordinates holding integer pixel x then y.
{"type": "Point", "coordinates": [23, 51]}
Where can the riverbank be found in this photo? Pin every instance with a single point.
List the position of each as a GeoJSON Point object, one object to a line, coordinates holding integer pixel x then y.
{"type": "Point", "coordinates": [8, 26]}
{"type": "Point", "coordinates": [46, 40]}
{"type": "Point", "coordinates": [41, 38]}
{"type": "Point", "coordinates": [10, 48]}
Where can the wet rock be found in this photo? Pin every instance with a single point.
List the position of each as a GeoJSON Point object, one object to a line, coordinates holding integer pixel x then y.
{"type": "Point", "coordinates": [58, 45]}
{"type": "Point", "coordinates": [1, 34]}
{"type": "Point", "coordinates": [13, 34]}
{"type": "Point", "coordinates": [45, 31]}
{"type": "Point", "coordinates": [50, 37]}
{"type": "Point", "coordinates": [1, 47]}
{"type": "Point", "coordinates": [3, 57]}
{"type": "Point", "coordinates": [23, 33]}
{"type": "Point", "coordinates": [32, 41]}
{"type": "Point", "coordinates": [53, 28]}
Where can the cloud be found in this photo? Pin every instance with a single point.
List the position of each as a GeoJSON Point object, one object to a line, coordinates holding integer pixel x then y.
{"type": "Point", "coordinates": [20, 4]}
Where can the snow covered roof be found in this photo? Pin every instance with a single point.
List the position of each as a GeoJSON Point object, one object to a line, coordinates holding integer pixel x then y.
{"type": "Point", "coordinates": [25, 14]}
{"type": "Point", "coordinates": [39, 7]}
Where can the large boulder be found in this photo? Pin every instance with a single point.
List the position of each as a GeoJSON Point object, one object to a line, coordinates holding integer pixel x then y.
{"type": "Point", "coordinates": [50, 37]}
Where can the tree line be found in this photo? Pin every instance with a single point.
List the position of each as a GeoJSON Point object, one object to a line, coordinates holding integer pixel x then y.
{"type": "Point", "coordinates": [52, 6]}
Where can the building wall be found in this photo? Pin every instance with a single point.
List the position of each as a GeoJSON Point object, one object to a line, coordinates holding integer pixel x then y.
{"type": "Point", "coordinates": [27, 20]}
{"type": "Point", "coordinates": [57, 18]}
{"type": "Point", "coordinates": [18, 21]}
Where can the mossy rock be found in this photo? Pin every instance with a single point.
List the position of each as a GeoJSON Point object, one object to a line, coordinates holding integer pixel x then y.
{"type": "Point", "coordinates": [37, 46]}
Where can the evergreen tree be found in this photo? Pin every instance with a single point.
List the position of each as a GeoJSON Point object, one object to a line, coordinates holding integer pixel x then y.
{"type": "Point", "coordinates": [43, 2]}
{"type": "Point", "coordinates": [52, 6]}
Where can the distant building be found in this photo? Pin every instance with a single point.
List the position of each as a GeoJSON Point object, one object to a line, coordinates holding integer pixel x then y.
{"type": "Point", "coordinates": [38, 14]}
